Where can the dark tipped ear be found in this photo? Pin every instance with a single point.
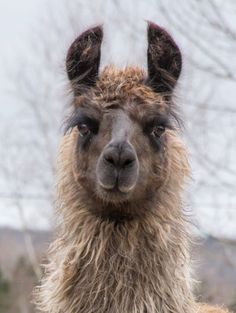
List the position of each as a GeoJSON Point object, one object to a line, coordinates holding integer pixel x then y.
{"type": "Point", "coordinates": [164, 59]}
{"type": "Point", "coordinates": [83, 58]}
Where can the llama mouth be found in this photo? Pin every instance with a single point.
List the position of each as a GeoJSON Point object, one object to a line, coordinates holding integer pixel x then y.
{"type": "Point", "coordinates": [116, 188]}
{"type": "Point", "coordinates": [113, 195]}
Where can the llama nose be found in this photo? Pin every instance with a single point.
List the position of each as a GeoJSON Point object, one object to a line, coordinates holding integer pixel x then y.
{"type": "Point", "coordinates": [119, 155]}
{"type": "Point", "coordinates": [118, 167]}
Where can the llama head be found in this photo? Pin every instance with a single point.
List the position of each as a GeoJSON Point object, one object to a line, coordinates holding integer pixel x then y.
{"type": "Point", "coordinates": [124, 143]}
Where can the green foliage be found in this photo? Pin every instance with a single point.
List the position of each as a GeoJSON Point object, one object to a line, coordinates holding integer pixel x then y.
{"type": "Point", "coordinates": [4, 293]}
{"type": "Point", "coordinates": [4, 284]}
{"type": "Point", "coordinates": [233, 307]}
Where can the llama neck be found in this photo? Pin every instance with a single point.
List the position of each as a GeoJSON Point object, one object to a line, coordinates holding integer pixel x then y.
{"type": "Point", "coordinates": [140, 266]}
{"type": "Point", "coordinates": [130, 268]}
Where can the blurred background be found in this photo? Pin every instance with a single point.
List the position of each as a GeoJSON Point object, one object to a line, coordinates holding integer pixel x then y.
{"type": "Point", "coordinates": [35, 36]}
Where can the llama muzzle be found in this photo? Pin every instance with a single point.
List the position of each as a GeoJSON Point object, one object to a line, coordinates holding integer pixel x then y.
{"type": "Point", "coordinates": [118, 167]}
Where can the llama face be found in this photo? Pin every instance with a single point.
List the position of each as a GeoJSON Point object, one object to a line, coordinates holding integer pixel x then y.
{"type": "Point", "coordinates": [122, 123]}
{"type": "Point", "coordinates": [120, 146]}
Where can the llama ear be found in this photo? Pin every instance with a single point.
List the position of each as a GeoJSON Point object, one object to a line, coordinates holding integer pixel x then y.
{"type": "Point", "coordinates": [83, 58]}
{"type": "Point", "coordinates": [164, 59]}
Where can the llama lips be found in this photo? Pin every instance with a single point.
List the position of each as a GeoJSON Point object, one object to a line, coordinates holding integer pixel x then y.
{"type": "Point", "coordinates": [116, 188]}
{"type": "Point", "coordinates": [120, 182]}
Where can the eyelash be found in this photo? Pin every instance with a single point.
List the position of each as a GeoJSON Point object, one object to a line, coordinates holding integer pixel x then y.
{"type": "Point", "coordinates": [156, 123]}
{"type": "Point", "coordinates": [77, 121]}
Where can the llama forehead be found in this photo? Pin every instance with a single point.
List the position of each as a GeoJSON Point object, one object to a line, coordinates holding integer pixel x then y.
{"type": "Point", "coordinates": [125, 84]}
{"type": "Point", "coordinates": [119, 109]}
{"type": "Point", "coordinates": [124, 89]}
{"type": "Point", "coordinates": [120, 75]}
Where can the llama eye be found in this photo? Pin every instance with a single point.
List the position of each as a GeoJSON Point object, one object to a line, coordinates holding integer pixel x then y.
{"type": "Point", "coordinates": [158, 131]}
{"type": "Point", "coordinates": [83, 130]}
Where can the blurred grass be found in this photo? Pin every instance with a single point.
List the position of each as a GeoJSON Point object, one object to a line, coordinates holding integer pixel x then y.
{"type": "Point", "coordinates": [4, 293]}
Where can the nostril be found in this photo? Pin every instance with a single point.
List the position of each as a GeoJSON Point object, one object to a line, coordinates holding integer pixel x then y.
{"type": "Point", "coordinates": [128, 162]}
{"type": "Point", "coordinates": [109, 159]}
{"type": "Point", "coordinates": [127, 158]}
{"type": "Point", "coordinates": [118, 158]}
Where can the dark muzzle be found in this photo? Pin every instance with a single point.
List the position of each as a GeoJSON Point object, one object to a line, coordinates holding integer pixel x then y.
{"type": "Point", "coordinates": [118, 167]}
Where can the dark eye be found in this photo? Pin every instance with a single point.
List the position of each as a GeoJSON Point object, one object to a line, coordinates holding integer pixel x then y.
{"type": "Point", "coordinates": [157, 131]}
{"type": "Point", "coordinates": [83, 130]}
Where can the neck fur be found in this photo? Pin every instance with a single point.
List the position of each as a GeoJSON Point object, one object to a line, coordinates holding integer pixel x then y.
{"type": "Point", "coordinates": [138, 266]}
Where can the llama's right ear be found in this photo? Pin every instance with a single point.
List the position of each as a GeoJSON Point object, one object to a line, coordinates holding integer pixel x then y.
{"type": "Point", "coordinates": [83, 59]}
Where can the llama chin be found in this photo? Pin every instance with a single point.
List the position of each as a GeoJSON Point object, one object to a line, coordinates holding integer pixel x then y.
{"type": "Point", "coordinates": [122, 238]}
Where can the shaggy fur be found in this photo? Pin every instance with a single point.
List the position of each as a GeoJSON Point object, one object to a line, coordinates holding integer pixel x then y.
{"type": "Point", "coordinates": [136, 265]}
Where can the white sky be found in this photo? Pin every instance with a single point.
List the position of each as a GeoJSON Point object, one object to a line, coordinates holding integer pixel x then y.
{"type": "Point", "coordinates": [16, 20]}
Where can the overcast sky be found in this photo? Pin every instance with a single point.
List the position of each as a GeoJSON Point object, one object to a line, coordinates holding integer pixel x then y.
{"type": "Point", "coordinates": [16, 20]}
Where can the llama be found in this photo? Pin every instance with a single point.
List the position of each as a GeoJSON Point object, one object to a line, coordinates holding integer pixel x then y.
{"type": "Point", "coordinates": [122, 238]}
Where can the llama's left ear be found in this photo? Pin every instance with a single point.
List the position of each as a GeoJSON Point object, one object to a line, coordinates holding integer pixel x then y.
{"type": "Point", "coordinates": [83, 59]}
{"type": "Point", "coordinates": [164, 59]}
